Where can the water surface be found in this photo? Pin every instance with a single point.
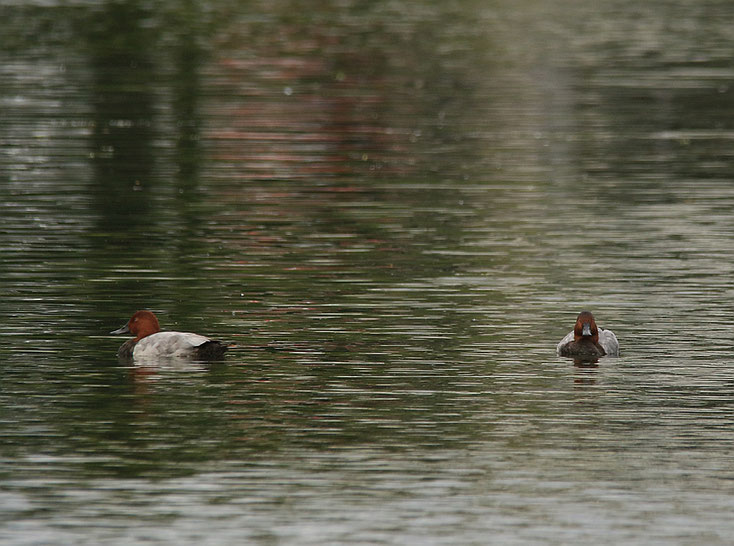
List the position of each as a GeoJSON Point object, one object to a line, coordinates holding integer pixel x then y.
{"type": "Point", "coordinates": [395, 211]}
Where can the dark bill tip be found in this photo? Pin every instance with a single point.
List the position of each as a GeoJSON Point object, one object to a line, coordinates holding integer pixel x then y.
{"type": "Point", "coordinates": [121, 330]}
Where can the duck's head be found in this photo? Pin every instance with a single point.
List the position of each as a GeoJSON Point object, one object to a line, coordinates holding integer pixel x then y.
{"type": "Point", "coordinates": [585, 328]}
{"type": "Point", "coordinates": [141, 324]}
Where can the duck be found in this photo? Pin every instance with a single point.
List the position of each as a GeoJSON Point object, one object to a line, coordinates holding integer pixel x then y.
{"type": "Point", "coordinates": [150, 343]}
{"type": "Point", "coordinates": [587, 340]}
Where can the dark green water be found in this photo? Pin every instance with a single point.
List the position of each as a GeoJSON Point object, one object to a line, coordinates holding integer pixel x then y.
{"type": "Point", "coordinates": [395, 210]}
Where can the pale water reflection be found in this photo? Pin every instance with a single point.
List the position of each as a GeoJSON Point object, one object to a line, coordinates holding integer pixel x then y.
{"type": "Point", "coordinates": [395, 211]}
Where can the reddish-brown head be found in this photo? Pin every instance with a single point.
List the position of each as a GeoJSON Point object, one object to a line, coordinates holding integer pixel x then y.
{"type": "Point", "coordinates": [586, 328]}
{"type": "Point", "coordinates": [141, 324]}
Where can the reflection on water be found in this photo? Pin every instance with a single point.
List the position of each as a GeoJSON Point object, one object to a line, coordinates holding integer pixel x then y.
{"type": "Point", "coordinates": [395, 211]}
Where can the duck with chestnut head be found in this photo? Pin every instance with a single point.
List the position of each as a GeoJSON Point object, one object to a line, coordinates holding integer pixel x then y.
{"type": "Point", "coordinates": [150, 343]}
{"type": "Point", "coordinates": [587, 340]}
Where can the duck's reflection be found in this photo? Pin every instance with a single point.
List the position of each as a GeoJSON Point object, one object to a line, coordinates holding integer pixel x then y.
{"type": "Point", "coordinates": [586, 362]}
{"type": "Point", "coordinates": [585, 371]}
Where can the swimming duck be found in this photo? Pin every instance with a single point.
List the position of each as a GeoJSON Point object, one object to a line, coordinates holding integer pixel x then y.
{"type": "Point", "coordinates": [151, 343]}
{"type": "Point", "coordinates": [587, 340]}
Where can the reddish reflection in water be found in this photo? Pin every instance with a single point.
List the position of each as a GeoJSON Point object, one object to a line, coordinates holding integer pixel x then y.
{"type": "Point", "coordinates": [303, 134]}
{"type": "Point", "coordinates": [309, 106]}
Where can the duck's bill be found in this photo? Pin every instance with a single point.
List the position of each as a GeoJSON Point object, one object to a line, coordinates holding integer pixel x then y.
{"type": "Point", "coordinates": [122, 330]}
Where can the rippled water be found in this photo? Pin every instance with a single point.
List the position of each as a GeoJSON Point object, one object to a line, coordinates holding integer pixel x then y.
{"type": "Point", "coordinates": [395, 211]}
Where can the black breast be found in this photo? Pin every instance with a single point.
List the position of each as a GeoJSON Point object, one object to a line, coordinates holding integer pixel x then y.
{"type": "Point", "coordinates": [582, 349]}
{"type": "Point", "coordinates": [126, 349]}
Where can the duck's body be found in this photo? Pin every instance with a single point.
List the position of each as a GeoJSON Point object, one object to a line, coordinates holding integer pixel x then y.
{"type": "Point", "coordinates": [150, 343]}
{"type": "Point", "coordinates": [587, 340]}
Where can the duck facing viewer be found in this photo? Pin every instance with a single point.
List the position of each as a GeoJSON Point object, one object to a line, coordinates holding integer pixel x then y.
{"type": "Point", "coordinates": [587, 340]}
